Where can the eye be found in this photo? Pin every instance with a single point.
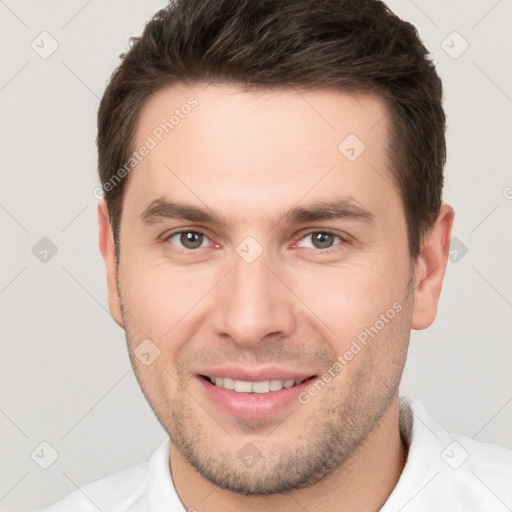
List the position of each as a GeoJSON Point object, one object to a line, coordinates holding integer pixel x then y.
{"type": "Point", "coordinates": [319, 240]}
{"type": "Point", "coordinates": [188, 239]}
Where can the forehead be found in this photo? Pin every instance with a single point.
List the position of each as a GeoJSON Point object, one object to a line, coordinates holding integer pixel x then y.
{"type": "Point", "coordinates": [271, 145]}
{"type": "Point", "coordinates": [211, 109]}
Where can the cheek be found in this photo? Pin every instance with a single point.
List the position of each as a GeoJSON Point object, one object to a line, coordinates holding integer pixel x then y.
{"type": "Point", "coordinates": [160, 305]}
{"type": "Point", "coordinates": [347, 301]}
{"type": "Point", "coordinates": [159, 299]}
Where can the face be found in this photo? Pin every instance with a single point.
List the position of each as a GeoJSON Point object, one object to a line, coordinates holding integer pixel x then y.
{"type": "Point", "coordinates": [263, 241]}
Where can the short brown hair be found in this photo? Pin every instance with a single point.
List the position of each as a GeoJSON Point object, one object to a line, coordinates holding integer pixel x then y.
{"type": "Point", "coordinates": [355, 45]}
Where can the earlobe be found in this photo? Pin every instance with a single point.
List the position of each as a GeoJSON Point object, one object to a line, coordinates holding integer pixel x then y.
{"type": "Point", "coordinates": [106, 242]}
{"type": "Point", "coordinates": [430, 269]}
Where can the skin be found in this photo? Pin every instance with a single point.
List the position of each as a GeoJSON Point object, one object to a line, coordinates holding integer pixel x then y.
{"type": "Point", "coordinates": [249, 158]}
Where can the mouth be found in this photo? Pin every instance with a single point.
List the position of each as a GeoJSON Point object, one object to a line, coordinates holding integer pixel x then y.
{"type": "Point", "coordinates": [257, 398]}
{"type": "Point", "coordinates": [260, 387]}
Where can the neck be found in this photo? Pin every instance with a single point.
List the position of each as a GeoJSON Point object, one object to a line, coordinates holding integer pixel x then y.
{"type": "Point", "coordinates": [364, 482]}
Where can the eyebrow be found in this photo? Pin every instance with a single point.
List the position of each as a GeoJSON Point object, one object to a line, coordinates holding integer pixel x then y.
{"type": "Point", "coordinates": [162, 209]}
{"type": "Point", "coordinates": [343, 208]}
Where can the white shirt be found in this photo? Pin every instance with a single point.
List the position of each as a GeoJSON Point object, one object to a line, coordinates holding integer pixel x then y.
{"type": "Point", "coordinates": [443, 473]}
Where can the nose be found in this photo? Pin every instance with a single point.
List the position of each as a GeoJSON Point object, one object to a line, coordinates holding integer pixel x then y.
{"type": "Point", "coordinates": [252, 304]}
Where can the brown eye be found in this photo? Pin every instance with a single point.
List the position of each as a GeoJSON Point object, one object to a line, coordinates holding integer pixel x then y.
{"type": "Point", "coordinates": [319, 240]}
{"type": "Point", "coordinates": [322, 240]}
{"type": "Point", "coordinates": [191, 240]}
{"type": "Point", "coordinates": [188, 239]}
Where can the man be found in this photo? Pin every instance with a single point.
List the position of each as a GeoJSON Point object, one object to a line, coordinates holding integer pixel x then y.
{"type": "Point", "coordinates": [272, 230]}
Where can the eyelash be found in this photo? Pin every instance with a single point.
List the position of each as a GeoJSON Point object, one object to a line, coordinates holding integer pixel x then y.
{"type": "Point", "coordinates": [328, 250]}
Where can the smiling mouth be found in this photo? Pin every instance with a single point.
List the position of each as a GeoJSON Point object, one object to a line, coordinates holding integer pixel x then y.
{"type": "Point", "coordinates": [261, 387]}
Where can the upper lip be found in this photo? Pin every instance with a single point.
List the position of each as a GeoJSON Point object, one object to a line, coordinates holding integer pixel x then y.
{"type": "Point", "coordinates": [255, 374]}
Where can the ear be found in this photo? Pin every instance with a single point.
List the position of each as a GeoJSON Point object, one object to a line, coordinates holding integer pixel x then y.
{"type": "Point", "coordinates": [430, 269]}
{"type": "Point", "coordinates": [109, 256]}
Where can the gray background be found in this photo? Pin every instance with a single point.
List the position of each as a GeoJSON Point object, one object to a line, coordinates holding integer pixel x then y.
{"type": "Point", "coordinates": [65, 374]}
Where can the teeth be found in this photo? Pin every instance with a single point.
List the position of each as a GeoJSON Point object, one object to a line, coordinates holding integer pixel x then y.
{"type": "Point", "coordinates": [261, 387]}
{"type": "Point", "coordinates": [241, 386]}
{"type": "Point", "coordinates": [228, 383]}
{"type": "Point", "coordinates": [276, 385]}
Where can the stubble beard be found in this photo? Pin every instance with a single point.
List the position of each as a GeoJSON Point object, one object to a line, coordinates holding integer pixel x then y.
{"type": "Point", "coordinates": [328, 438]}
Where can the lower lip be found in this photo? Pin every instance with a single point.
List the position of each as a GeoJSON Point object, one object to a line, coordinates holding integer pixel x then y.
{"type": "Point", "coordinates": [252, 406]}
